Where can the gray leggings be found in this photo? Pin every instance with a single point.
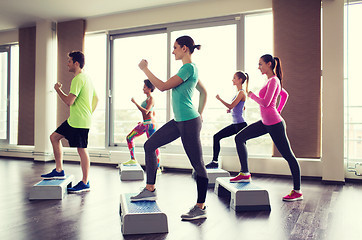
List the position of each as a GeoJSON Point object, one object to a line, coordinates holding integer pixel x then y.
{"type": "Point", "coordinates": [280, 139]}
{"type": "Point", "coordinates": [189, 131]}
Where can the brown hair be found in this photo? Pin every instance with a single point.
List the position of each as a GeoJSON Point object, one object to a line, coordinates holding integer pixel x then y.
{"type": "Point", "coordinates": [276, 65]}
{"type": "Point", "coordinates": [188, 42]}
{"type": "Point", "coordinates": [77, 56]}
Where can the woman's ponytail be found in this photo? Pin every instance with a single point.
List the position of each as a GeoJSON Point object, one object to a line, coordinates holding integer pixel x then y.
{"type": "Point", "coordinates": [278, 70]}
{"type": "Point", "coordinates": [247, 82]}
{"type": "Point", "coordinates": [198, 47]}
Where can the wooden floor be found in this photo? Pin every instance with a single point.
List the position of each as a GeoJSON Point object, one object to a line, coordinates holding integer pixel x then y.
{"type": "Point", "coordinates": [327, 212]}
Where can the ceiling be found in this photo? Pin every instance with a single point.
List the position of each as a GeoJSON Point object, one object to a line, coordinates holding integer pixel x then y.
{"type": "Point", "coordinates": [19, 13]}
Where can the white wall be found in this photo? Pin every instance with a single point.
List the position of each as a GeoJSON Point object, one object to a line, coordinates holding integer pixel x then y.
{"type": "Point", "coordinates": [332, 91]}
{"type": "Point", "coordinates": [45, 96]}
{"type": "Point", "coordinates": [176, 13]}
{"type": "Point", "coordinates": [8, 37]}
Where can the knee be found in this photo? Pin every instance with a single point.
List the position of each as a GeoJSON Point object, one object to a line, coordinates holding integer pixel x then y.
{"type": "Point", "coordinates": [82, 151]}
{"type": "Point", "coordinates": [129, 139]}
{"type": "Point", "coordinates": [53, 138]}
{"type": "Point", "coordinates": [239, 139]}
{"type": "Point", "coordinates": [290, 158]}
{"type": "Point", "coordinates": [147, 146]}
{"type": "Point", "coordinates": [201, 173]}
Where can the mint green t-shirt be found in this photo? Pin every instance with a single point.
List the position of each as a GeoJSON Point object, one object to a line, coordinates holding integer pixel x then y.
{"type": "Point", "coordinates": [183, 108]}
{"type": "Point", "coordinates": [81, 109]}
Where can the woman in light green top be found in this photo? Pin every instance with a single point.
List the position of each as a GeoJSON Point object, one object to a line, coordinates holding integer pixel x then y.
{"type": "Point", "coordinates": [187, 125]}
{"type": "Point", "coordinates": [148, 125]}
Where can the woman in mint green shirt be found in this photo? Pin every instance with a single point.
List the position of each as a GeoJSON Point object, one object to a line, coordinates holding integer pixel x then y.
{"type": "Point", "coordinates": [186, 124]}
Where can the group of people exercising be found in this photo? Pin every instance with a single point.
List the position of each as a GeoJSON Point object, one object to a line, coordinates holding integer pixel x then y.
{"type": "Point", "coordinates": [186, 124]}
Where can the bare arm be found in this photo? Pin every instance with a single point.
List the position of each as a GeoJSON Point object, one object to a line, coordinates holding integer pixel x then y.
{"type": "Point", "coordinates": [240, 97]}
{"type": "Point", "coordinates": [67, 99]}
{"type": "Point", "coordinates": [159, 84]}
{"type": "Point", "coordinates": [203, 96]}
{"type": "Point", "coordinates": [146, 110]}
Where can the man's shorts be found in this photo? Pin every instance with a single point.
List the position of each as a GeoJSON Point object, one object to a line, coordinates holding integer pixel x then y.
{"type": "Point", "coordinates": [77, 137]}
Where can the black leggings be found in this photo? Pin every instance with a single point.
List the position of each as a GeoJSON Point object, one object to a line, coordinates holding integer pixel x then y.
{"type": "Point", "coordinates": [189, 131]}
{"type": "Point", "coordinates": [224, 133]}
{"type": "Point", "coordinates": [280, 139]}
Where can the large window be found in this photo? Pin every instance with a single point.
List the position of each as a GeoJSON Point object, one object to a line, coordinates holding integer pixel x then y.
{"type": "Point", "coordinates": [257, 43]}
{"type": "Point", "coordinates": [222, 54]}
{"type": "Point", "coordinates": [96, 66]}
{"type": "Point", "coordinates": [216, 63]}
{"type": "Point", "coordinates": [9, 82]}
{"type": "Point", "coordinates": [14, 93]}
{"type": "Point", "coordinates": [127, 81]}
{"type": "Point", "coordinates": [4, 81]}
{"type": "Point", "coordinates": [353, 85]}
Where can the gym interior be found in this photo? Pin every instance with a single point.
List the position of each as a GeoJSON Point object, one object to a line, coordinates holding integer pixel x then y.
{"type": "Point", "coordinates": [317, 42]}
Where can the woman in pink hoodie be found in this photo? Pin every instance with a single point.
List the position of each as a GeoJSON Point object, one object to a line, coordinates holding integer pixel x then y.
{"type": "Point", "coordinates": [271, 122]}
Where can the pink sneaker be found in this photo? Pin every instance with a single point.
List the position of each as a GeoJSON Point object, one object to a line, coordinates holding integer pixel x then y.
{"type": "Point", "coordinates": [293, 196]}
{"type": "Point", "coordinates": [241, 177]}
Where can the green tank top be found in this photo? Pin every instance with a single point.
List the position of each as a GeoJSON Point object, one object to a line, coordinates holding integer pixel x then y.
{"type": "Point", "coordinates": [144, 104]}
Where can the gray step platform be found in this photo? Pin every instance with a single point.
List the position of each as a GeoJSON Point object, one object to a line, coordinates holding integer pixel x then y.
{"type": "Point", "coordinates": [213, 174]}
{"type": "Point", "coordinates": [129, 173]}
{"type": "Point", "coordinates": [141, 217]}
{"type": "Point", "coordinates": [243, 196]}
{"type": "Point", "coordinates": [51, 189]}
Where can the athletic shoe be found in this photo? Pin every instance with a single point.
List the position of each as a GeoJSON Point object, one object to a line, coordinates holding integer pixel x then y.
{"type": "Point", "coordinates": [80, 187]}
{"type": "Point", "coordinates": [132, 162]}
{"type": "Point", "coordinates": [212, 164]}
{"type": "Point", "coordinates": [159, 171]}
{"type": "Point", "coordinates": [293, 196]}
{"type": "Point", "coordinates": [194, 213]}
{"type": "Point", "coordinates": [241, 177]}
{"type": "Point", "coordinates": [54, 175]}
{"type": "Point", "coordinates": [145, 195]}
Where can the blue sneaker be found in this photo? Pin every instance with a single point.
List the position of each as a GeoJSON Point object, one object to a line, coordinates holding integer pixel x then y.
{"type": "Point", "coordinates": [54, 175]}
{"type": "Point", "coordinates": [80, 187]}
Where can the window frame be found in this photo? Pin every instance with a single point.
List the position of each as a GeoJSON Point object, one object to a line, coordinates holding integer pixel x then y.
{"type": "Point", "coordinates": [110, 81]}
{"type": "Point", "coordinates": [7, 49]}
{"type": "Point", "coordinates": [237, 19]}
{"type": "Point", "coordinates": [352, 161]}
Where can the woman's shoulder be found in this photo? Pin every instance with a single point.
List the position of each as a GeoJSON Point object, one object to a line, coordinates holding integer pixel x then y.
{"type": "Point", "coordinates": [189, 65]}
{"type": "Point", "coordinates": [241, 93]}
{"type": "Point", "coordinates": [273, 80]}
{"type": "Point", "coordinates": [188, 69]}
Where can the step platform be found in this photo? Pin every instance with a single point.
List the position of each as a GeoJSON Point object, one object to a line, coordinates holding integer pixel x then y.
{"type": "Point", "coordinates": [129, 173]}
{"type": "Point", "coordinates": [243, 196]}
{"type": "Point", "coordinates": [51, 189]}
{"type": "Point", "coordinates": [212, 174]}
{"type": "Point", "coordinates": [141, 217]}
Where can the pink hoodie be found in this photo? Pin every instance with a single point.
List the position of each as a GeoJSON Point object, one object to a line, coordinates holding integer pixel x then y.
{"type": "Point", "coordinates": [268, 96]}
